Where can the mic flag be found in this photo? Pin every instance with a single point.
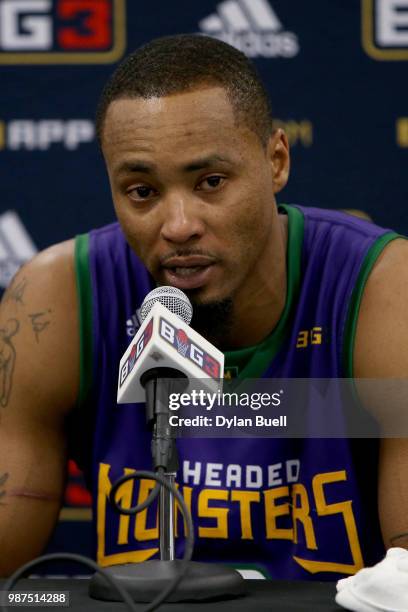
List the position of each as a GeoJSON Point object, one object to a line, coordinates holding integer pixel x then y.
{"type": "Point", "coordinates": [164, 340]}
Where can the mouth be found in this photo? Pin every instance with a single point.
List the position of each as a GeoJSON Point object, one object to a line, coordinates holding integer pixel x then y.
{"type": "Point", "coordinates": [188, 272]}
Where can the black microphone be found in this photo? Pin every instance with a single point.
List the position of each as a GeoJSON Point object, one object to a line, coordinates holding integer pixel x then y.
{"type": "Point", "coordinates": [160, 382]}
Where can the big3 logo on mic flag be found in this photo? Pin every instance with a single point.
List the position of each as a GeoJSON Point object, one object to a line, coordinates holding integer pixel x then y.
{"type": "Point", "coordinates": [194, 351]}
{"type": "Point", "coordinates": [165, 340]}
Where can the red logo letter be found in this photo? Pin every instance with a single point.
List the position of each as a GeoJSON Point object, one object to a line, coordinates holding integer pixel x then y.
{"type": "Point", "coordinates": [95, 28]}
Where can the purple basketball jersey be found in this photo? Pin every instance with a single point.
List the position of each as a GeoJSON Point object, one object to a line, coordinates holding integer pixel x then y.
{"type": "Point", "coordinates": [297, 509]}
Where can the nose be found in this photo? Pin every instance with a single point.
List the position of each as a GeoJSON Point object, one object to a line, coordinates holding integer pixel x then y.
{"type": "Point", "coordinates": [181, 219]}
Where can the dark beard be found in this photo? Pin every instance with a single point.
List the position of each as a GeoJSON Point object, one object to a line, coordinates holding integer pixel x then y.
{"type": "Point", "coordinates": [213, 320]}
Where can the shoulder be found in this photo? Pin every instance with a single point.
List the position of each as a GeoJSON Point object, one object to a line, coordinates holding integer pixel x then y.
{"type": "Point", "coordinates": [47, 280]}
{"type": "Point", "coordinates": [51, 267]}
{"type": "Point", "coordinates": [381, 344]}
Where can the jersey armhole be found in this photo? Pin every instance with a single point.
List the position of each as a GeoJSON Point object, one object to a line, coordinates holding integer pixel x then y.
{"type": "Point", "coordinates": [84, 289]}
{"type": "Point", "coordinates": [355, 301]}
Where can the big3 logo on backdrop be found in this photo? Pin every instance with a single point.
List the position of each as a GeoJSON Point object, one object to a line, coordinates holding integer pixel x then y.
{"type": "Point", "coordinates": [385, 29]}
{"type": "Point", "coordinates": [61, 31]}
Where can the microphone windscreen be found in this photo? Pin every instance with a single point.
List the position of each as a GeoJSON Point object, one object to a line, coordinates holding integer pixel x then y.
{"type": "Point", "coordinates": [172, 298]}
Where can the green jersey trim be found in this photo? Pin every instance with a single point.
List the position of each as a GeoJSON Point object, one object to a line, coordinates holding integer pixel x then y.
{"type": "Point", "coordinates": [355, 302]}
{"type": "Point", "coordinates": [252, 361]}
{"type": "Point", "coordinates": [84, 289]}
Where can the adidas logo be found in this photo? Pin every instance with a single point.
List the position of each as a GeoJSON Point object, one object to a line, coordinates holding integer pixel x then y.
{"type": "Point", "coordinates": [251, 26]}
{"type": "Point", "coordinates": [16, 246]}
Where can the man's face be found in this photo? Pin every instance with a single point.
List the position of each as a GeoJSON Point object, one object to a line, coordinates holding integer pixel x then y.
{"type": "Point", "coordinates": [194, 191]}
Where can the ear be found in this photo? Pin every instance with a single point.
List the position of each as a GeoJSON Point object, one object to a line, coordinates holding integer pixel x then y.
{"type": "Point", "coordinates": [278, 153]}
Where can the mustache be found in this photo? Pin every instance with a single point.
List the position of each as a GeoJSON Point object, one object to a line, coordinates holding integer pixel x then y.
{"type": "Point", "coordinates": [186, 253]}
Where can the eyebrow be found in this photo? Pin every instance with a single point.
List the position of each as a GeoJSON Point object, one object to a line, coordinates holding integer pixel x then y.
{"type": "Point", "coordinates": [149, 168]}
{"type": "Point", "coordinates": [205, 162]}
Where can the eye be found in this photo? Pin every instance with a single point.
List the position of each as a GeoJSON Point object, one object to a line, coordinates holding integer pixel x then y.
{"type": "Point", "coordinates": [210, 183]}
{"type": "Point", "coordinates": [138, 193]}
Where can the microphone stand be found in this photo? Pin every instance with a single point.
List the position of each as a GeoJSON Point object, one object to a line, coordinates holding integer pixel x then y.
{"type": "Point", "coordinates": [166, 521]}
{"type": "Point", "coordinates": [144, 581]}
{"type": "Point", "coordinates": [158, 383]}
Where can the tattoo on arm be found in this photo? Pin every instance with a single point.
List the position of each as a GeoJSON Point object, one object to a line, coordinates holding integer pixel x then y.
{"type": "Point", "coordinates": [7, 359]}
{"type": "Point", "coordinates": [15, 291]}
{"type": "Point", "coordinates": [3, 480]}
{"type": "Point", "coordinates": [39, 322]}
{"type": "Point", "coordinates": [401, 539]}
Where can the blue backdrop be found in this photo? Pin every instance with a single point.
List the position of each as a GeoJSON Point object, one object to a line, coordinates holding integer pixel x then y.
{"type": "Point", "coordinates": [336, 72]}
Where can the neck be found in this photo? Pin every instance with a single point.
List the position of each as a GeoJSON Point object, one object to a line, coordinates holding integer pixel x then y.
{"type": "Point", "coordinates": [256, 314]}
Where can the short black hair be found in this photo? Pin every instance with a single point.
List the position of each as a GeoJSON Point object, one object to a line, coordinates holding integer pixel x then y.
{"type": "Point", "coordinates": [174, 64]}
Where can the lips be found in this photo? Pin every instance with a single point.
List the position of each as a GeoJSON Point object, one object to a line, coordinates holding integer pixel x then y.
{"type": "Point", "coordinates": [190, 272]}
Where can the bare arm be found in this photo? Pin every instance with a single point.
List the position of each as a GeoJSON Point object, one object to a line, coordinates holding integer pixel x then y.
{"type": "Point", "coordinates": [39, 378]}
{"type": "Point", "coordinates": [381, 352]}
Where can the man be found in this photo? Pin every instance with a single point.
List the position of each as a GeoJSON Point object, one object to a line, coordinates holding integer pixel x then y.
{"type": "Point", "coordinates": [194, 165]}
